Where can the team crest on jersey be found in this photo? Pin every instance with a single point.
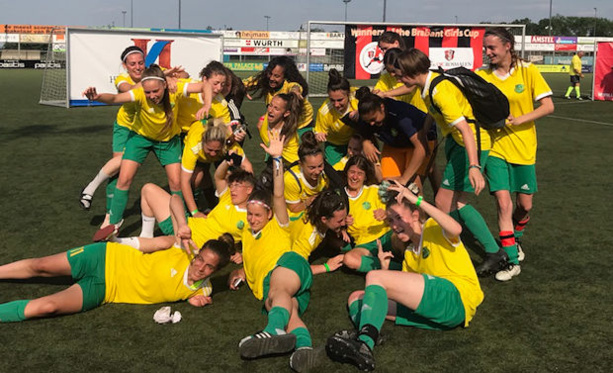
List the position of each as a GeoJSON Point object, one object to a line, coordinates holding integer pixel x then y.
{"type": "Point", "coordinates": [519, 88]}
{"type": "Point", "coordinates": [425, 252]}
{"type": "Point", "coordinates": [366, 205]}
{"type": "Point", "coordinates": [240, 224]}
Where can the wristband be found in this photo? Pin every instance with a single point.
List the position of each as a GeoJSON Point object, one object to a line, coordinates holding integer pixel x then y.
{"type": "Point", "coordinates": [277, 159]}
{"type": "Point", "coordinates": [419, 199]}
{"type": "Point", "coordinates": [474, 166]}
{"type": "Point", "coordinates": [194, 212]}
{"type": "Point", "coordinates": [327, 267]}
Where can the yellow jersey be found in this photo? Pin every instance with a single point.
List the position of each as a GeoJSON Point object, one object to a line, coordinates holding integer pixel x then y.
{"type": "Point", "coordinates": [365, 227]}
{"type": "Point", "coordinates": [437, 255]}
{"type": "Point", "coordinates": [138, 278]}
{"type": "Point", "coordinates": [329, 122]}
{"type": "Point", "coordinates": [151, 118]}
{"type": "Point", "coordinates": [454, 107]}
{"type": "Point", "coordinates": [305, 237]}
{"type": "Point", "coordinates": [523, 86]}
{"type": "Point", "coordinates": [306, 117]}
{"type": "Point", "coordinates": [261, 251]}
{"type": "Point", "coordinates": [127, 111]}
{"type": "Point", "coordinates": [297, 188]}
{"type": "Point", "coordinates": [340, 165]}
{"type": "Point", "coordinates": [225, 217]}
{"type": "Point", "coordinates": [387, 82]}
{"type": "Point", "coordinates": [193, 153]}
{"type": "Point", "coordinates": [290, 149]}
{"type": "Point", "coordinates": [575, 65]}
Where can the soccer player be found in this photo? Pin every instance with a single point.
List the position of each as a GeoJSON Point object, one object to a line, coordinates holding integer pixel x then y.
{"type": "Point", "coordinates": [228, 216]}
{"type": "Point", "coordinates": [462, 173]}
{"type": "Point", "coordinates": [282, 76]}
{"type": "Point", "coordinates": [510, 166]}
{"type": "Point", "coordinates": [437, 288]}
{"type": "Point", "coordinates": [367, 213]}
{"type": "Point", "coordinates": [282, 118]}
{"type": "Point", "coordinates": [133, 61]}
{"type": "Point", "coordinates": [274, 273]}
{"type": "Point", "coordinates": [205, 145]}
{"type": "Point", "coordinates": [114, 273]}
{"type": "Point", "coordinates": [154, 129]}
{"type": "Point", "coordinates": [402, 129]}
{"type": "Point", "coordinates": [306, 179]}
{"type": "Point", "coordinates": [575, 69]}
{"type": "Point", "coordinates": [329, 126]}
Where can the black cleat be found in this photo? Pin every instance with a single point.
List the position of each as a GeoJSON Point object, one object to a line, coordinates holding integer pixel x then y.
{"type": "Point", "coordinates": [492, 263]}
{"type": "Point", "coordinates": [352, 351]}
{"type": "Point", "coordinates": [263, 343]}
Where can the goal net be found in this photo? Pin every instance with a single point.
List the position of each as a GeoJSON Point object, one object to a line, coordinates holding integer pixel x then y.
{"type": "Point", "coordinates": [53, 89]}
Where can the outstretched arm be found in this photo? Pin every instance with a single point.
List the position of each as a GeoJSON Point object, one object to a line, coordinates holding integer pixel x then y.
{"type": "Point", "coordinates": [275, 149]}
{"type": "Point", "coordinates": [107, 98]}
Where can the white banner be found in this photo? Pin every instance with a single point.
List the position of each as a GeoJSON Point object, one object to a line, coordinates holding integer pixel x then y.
{"type": "Point", "coordinates": [448, 58]}
{"type": "Point", "coordinates": [94, 55]}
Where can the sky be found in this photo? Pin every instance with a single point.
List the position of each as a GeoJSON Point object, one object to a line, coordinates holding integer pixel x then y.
{"type": "Point", "coordinates": [285, 15]}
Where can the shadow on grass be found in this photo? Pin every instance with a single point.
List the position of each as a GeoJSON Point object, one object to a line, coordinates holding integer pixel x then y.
{"type": "Point", "coordinates": [61, 280]}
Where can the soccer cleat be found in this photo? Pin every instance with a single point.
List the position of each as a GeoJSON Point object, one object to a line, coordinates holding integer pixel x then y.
{"type": "Point", "coordinates": [353, 334]}
{"type": "Point", "coordinates": [352, 351]}
{"type": "Point", "coordinates": [567, 97]}
{"type": "Point", "coordinates": [305, 359]}
{"type": "Point", "coordinates": [107, 233]}
{"type": "Point", "coordinates": [580, 98]}
{"type": "Point", "coordinates": [263, 343]}
{"type": "Point", "coordinates": [520, 252]}
{"type": "Point", "coordinates": [85, 201]}
{"type": "Point", "coordinates": [508, 273]}
{"type": "Point", "coordinates": [492, 263]}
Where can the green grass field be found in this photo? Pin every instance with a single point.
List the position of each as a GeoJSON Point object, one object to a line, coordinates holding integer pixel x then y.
{"type": "Point", "coordinates": [553, 318]}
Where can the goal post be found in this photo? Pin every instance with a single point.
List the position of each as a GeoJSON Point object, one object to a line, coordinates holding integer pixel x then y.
{"type": "Point", "coordinates": [53, 89]}
{"type": "Point", "coordinates": [448, 45]}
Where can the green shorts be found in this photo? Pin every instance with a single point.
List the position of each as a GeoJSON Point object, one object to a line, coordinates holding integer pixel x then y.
{"type": "Point", "coordinates": [87, 266]}
{"type": "Point", "coordinates": [441, 307]}
{"type": "Point", "coordinates": [120, 137]}
{"type": "Point", "coordinates": [386, 243]}
{"type": "Point", "coordinates": [302, 268]}
{"type": "Point", "coordinates": [334, 153]}
{"type": "Point", "coordinates": [455, 176]}
{"type": "Point", "coordinates": [516, 178]}
{"type": "Point", "coordinates": [138, 147]}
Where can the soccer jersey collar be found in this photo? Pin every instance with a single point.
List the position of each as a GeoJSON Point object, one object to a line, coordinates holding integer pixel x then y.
{"type": "Point", "coordinates": [357, 196]}
{"type": "Point", "coordinates": [427, 85]}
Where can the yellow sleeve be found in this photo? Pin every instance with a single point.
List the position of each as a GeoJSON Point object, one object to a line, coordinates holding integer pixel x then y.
{"type": "Point", "coordinates": [445, 98]}
{"type": "Point", "coordinates": [540, 87]}
{"type": "Point", "coordinates": [193, 146]}
{"type": "Point", "coordinates": [322, 123]}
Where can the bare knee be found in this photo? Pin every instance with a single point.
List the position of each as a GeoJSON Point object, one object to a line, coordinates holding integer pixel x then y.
{"type": "Point", "coordinates": [42, 308]}
{"type": "Point", "coordinates": [524, 204]}
{"type": "Point", "coordinates": [40, 267]}
{"type": "Point", "coordinates": [358, 294]}
{"type": "Point", "coordinates": [352, 259]}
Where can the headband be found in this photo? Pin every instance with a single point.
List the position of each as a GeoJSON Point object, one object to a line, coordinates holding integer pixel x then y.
{"type": "Point", "coordinates": [152, 78]}
{"type": "Point", "coordinates": [131, 52]}
{"type": "Point", "coordinates": [256, 202]}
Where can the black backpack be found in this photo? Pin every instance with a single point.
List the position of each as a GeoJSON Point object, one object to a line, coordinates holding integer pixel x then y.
{"type": "Point", "coordinates": [490, 105]}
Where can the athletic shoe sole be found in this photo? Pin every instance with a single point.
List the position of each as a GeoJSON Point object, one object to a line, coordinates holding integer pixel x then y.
{"type": "Point", "coordinates": [344, 351]}
{"type": "Point", "coordinates": [255, 347]}
{"type": "Point", "coordinates": [104, 234]}
{"type": "Point", "coordinates": [305, 359]}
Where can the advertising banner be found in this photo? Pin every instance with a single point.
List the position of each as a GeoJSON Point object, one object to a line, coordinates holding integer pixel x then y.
{"type": "Point", "coordinates": [447, 46]}
{"type": "Point", "coordinates": [603, 72]}
{"type": "Point", "coordinates": [94, 55]}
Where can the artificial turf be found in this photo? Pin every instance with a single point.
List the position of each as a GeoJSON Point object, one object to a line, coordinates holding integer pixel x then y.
{"type": "Point", "coordinates": [553, 317]}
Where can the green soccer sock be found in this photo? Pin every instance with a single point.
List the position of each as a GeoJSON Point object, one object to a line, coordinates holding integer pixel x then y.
{"type": "Point", "coordinates": [13, 311]}
{"type": "Point", "coordinates": [354, 312]}
{"type": "Point", "coordinates": [177, 193]}
{"type": "Point", "coordinates": [374, 310]}
{"type": "Point", "coordinates": [278, 317]}
{"type": "Point", "coordinates": [578, 91]}
{"type": "Point", "coordinates": [110, 192]}
{"type": "Point", "coordinates": [303, 337]}
{"type": "Point", "coordinates": [519, 226]}
{"type": "Point", "coordinates": [568, 91]}
{"type": "Point", "coordinates": [369, 263]}
{"type": "Point", "coordinates": [476, 225]}
{"type": "Point", "coordinates": [507, 238]}
{"type": "Point", "coordinates": [120, 200]}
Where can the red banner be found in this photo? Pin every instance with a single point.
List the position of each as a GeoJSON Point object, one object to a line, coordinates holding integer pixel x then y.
{"type": "Point", "coordinates": [603, 72]}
